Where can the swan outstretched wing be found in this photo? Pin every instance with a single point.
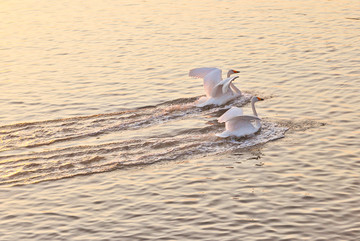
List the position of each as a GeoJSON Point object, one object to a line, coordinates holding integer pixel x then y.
{"type": "Point", "coordinates": [235, 89]}
{"type": "Point", "coordinates": [227, 83]}
{"type": "Point", "coordinates": [223, 86]}
{"type": "Point", "coordinates": [246, 118]}
{"type": "Point", "coordinates": [231, 113]}
{"type": "Point", "coordinates": [211, 80]}
{"type": "Point", "coordinates": [211, 76]}
{"type": "Point", "coordinates": [202, 72]}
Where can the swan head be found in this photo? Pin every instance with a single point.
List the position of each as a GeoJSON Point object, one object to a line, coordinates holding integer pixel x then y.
{"type": "Point", "coordinates": [232, 71]}
{"type": "Point", "coordinates": [256, 99]}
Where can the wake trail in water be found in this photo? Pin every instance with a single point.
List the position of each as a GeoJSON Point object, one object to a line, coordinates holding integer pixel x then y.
{"type": "Point", "coordinates": [63, 148]}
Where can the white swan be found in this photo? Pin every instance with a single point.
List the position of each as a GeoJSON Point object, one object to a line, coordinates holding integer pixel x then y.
{"type": "Point", "coordinates": [237, 124]}
{"type": "Point", "coordinates": [217, 90]}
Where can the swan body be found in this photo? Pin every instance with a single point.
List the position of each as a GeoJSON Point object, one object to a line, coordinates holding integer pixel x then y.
{"type": "Point", "coordinates": [217, 90]}
{"type": "Point", "coordinates": [239, 125]}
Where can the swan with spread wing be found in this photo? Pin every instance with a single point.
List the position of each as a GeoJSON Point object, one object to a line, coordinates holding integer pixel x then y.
{"type": "Point", "coordinates": [239, 125]}
{"type": "Point", "coordinates": [217, 90]}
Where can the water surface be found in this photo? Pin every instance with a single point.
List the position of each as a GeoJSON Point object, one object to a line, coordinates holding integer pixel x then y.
{"type": "Point", "coordinates": [100, 138]}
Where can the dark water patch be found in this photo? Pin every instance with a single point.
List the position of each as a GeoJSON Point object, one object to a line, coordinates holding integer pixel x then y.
{"type": "Point", "coordinates": [300, 125]}
{"type": "Point", "coordinates": [92, 160]}
{"type": "Point", "coordinates": [354, 18]}
{"type": "Point", "coordinates": [179, 101]}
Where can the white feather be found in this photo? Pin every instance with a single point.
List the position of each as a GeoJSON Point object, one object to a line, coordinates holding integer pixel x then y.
{"type": "Point", "coordinates": [229, 114]}
{"type": "Point", "coordinates": [223, 87]}
{"type": "Point", "coordinates": [211, 80]}
{"type": "Point", "coordinates": [227, 82]}
{"type": "Point", "coordinates": [201, 72]}
{"type": "Point", "coordinates": [240, 127]}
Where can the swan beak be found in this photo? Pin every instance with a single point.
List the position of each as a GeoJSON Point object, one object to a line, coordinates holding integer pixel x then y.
{"type": "Point", "coordinates": [260, 99]}
{"type": "Point", "coordinates": [235, 71]}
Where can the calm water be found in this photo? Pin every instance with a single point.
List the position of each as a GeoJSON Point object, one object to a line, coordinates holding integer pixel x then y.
{"type": "Point", "coordinates": [100, 138]}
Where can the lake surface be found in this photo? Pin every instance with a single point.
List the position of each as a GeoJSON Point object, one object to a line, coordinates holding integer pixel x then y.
{"type": "Point", "coordinates": [101, 140]}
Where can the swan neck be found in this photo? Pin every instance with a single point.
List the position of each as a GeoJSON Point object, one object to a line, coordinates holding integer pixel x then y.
{"type": "Point", "coordinates": [229, 73]}
{"type": "Point", "coordinates": [253, 108]}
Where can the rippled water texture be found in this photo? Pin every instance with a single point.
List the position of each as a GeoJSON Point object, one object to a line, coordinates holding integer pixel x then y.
{"type": "Point", "coordinates": [100, 138]}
